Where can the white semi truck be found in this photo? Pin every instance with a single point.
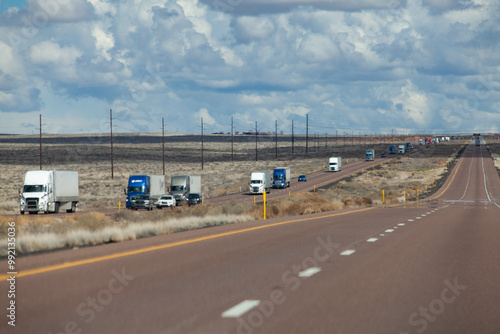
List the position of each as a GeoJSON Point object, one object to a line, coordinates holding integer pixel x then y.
{"type": "Point", "coordinates": [49, 191]}
{"type": "Point", "coordinates": [182, 185]}
{"type": "Point", "coordinates": [335, 164]}
{"type": "Point", "coordinates": [260, 182]}
{"type": "Point", "coordinates": [370, 155]}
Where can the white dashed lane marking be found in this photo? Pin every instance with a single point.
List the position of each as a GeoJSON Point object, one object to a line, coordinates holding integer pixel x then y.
{"type": "Point", "coordinates": [348, 252]}
{"type": "Point", "coordinates": [309, 272]}
{"type": "Point", "coordinates": [240, 309]}
{"type": "Point", "coordinates": [372, 240]}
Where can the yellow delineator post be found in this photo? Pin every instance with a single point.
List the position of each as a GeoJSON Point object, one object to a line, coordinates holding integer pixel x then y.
{"type": "Point", "coordinates": [404, 194]}
{"type": "Point", "coordinates": [119, 206]}
{"type": "Point", "coordinates": [383, 196]}
{"type": "Point", "coordinates": [264, 199]}
{"type": "Point", "coordinates": [417, 193]}
{"type": "Point", "coordinates": [254, 200]}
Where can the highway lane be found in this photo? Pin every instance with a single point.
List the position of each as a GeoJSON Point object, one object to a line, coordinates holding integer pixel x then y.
{"type": "Point", "coordinates": [314, 180]}
{"type": "Point", "coordinates": [425, 267]}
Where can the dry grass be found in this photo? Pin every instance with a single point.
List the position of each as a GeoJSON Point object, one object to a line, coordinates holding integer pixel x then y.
{"type": "Point", "coordinates": [94, 229]}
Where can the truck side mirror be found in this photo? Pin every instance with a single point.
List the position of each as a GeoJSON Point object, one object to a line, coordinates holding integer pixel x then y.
{"type": "Point", "coordinates": [125, 191]}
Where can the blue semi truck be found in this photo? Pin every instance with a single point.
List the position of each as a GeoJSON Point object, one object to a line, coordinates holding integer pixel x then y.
{"type": "Point", "coordinates": [152, 185]}
{"type": "Point", "coordinates": [281, 177]}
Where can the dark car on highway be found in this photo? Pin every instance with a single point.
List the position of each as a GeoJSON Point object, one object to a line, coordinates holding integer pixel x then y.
{"type": "Point", "coordinates": [302, 178]}
{"type": "Point", "coordinates": [141, 202]}
{"type": "Point", "coordinates": [194, 199]}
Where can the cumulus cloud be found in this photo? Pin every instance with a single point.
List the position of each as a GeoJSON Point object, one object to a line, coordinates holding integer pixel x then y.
{"type": "Point", "coordinates": [203, 113]}
{"type": "Point", "coordinates": [346, 64]}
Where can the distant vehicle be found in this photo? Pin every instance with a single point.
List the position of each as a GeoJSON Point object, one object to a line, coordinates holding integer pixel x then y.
{"type": "Point", "coordinates": [420, 142]}
{"type": "Point", "coordinates": [382, 155]}
{"type": "Point", "coordinates": [281, 177]}
{"type": "Point", "coordinates": [335, 164]}
{"type": "Point", "coordinates": [165, 201]}
{"type": "Point", "coordinates": [260, 182]}
{"type": "Point", "coordinates": [478, 141]}
{"type": "Point", "coordinates": [370, 155]}
{"type": "Point", "coordinates": [302, 178]}
{"type": "Point", "coordinates": [193, 199]}
{"type": "Point", "coordinates": [426, 141]}
{"type": "Point", "coordinates": [49, 191]}
{"type": "Point", "coordinates": [392, 149]}
{"type": "Point", "coordinates": [409, 146]}
{"type": "Point", "coordinates": [182, 185]}
{"type": "Point", "coordinates": [141, 202]}
{"type": "Point", "coordinates": [401, 149]}
{"type": "Point", "coordinates": [151, 185]}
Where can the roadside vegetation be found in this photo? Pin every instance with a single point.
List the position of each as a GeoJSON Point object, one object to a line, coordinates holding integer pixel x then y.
{"type": "Point", "coordinates": [400, 178]}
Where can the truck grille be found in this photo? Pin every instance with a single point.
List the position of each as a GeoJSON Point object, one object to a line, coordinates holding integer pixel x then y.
{"type": "Point", "coordinates": [32, 203]}
{"type": "Point", "coordinates": [255, 189]}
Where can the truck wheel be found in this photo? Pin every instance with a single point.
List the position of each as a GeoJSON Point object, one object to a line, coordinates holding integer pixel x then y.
{"type": "Point", "coordinates": [22, 212]}
{"type": "Point", "coordinates": [56, 208]}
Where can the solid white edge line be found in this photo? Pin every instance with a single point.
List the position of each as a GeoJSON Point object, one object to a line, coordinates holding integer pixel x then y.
{"type": "Point", "coordinates": [389, 230]}
{"type": "Point", "coordinates": [372, 239]}
{"type": "Point", "coordinates": [240, 309]}
{"type": "Point", "coordinates": [309, 272]}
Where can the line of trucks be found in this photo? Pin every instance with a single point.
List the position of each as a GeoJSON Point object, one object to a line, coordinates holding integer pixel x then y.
{"type": "Point", "coordinates": [50, 191]}
{"type": "Point", "coordinates": [263, 181]}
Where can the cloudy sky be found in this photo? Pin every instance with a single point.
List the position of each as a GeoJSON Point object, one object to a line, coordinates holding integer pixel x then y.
{"type": "Point", "coordinates": [362, 66]}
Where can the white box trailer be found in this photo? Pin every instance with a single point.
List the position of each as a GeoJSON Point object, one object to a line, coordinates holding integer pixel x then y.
{"type": "Point", "coordinates": [335, 164]}
{"type": "Point", "coordinates": [195, 184]}
{"type": "Point", "coordinates": [157, 183]}
{"type": "Point", "coordinates": [49, 191]}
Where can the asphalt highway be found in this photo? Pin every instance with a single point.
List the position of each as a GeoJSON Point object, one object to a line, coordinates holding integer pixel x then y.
{"type": "Point", "coordinates": [423, 267]}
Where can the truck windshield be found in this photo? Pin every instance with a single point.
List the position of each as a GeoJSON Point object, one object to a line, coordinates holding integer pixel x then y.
{"type": "Point", "coordinates": [278, 176]}
{"type": "Point", "coordinates": [38, 188]}
{"type": "Point", "coordinates": [177, 188]}
{"type": "Point", "coordinates": [136, 189]}
{"type": "Point", "coordinates": [333, 164]}
{"type": "Point", "coordinates": [256, 181]}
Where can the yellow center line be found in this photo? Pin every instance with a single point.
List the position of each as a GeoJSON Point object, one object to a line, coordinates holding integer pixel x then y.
{"type": "Point", "coordinates": [158, 247]}
{"type": "Point", "coordinates": [451, 181]}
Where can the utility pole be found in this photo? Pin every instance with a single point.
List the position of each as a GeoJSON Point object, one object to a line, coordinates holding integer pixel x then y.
{"type": "Point", "coordinates": [307, 133]}
{"type": "Point", "coordinates": [163, 141]}
{"type": "Point", "coordinates": [256, 153]}
{"type": "Point", "coordinates": [292, 138]}
{"type": "Point", "coordinates": [111, 133]}
{"type": "Point", "coordinates": [232, 140]}
{"type": "Point", "coordinates": [276, 136]}
{"type": "Point", "coordinates": [202, 143]}
{"type": "Point", "coordinates": [40, 141]}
